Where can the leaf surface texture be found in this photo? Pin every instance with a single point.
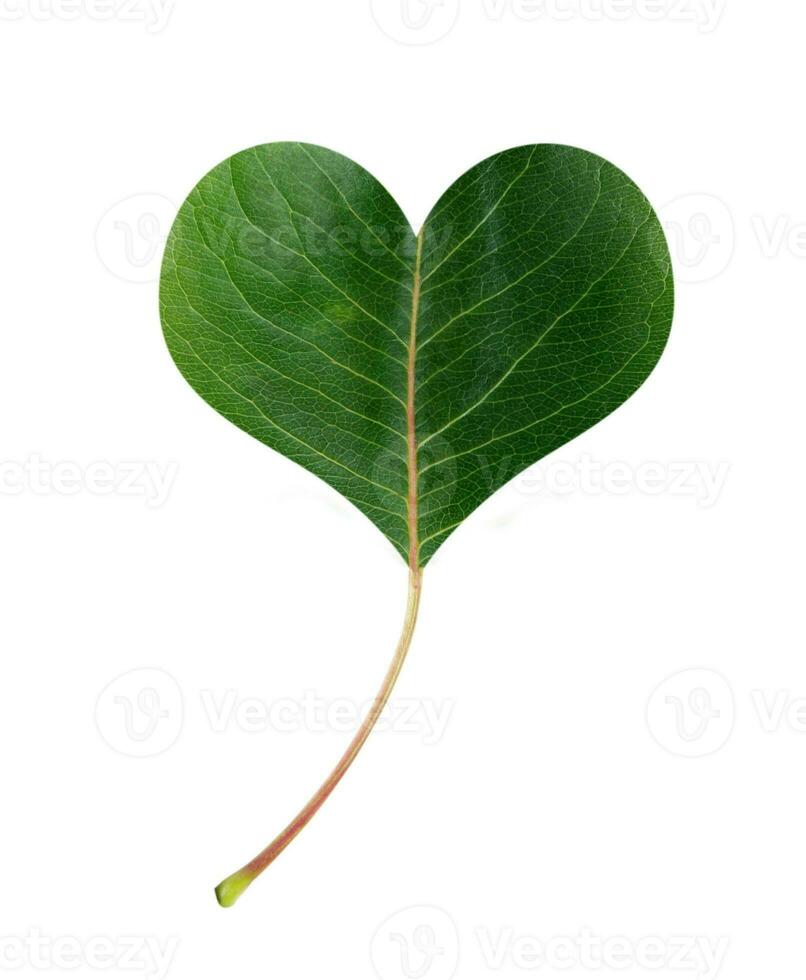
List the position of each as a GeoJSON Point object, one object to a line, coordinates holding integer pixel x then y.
{"type": "Point", "coordinates": [416, 374]}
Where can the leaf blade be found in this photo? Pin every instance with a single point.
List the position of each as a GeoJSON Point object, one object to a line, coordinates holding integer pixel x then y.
{"type": "Point", "coordinates": [280, 347]}
{"type": "Point", "coordinates": [416, 374]}
{"type": "Point", "coordinates": [537, 328]}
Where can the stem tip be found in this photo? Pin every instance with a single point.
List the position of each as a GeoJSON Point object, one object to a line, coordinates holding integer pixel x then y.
{"type": "Point", "coordinates": [231, 889]}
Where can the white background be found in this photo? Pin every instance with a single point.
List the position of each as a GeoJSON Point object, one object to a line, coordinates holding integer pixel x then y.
{"type": "Point", "coordinates": [568, 791]}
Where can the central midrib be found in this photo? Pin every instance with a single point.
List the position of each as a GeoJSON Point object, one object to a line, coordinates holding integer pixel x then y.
{"type": "Point", "coordinates": [411, 429]}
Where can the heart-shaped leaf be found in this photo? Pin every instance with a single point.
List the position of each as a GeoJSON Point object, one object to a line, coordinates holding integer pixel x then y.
{"type": "Point", "coordinates": [415, 374]}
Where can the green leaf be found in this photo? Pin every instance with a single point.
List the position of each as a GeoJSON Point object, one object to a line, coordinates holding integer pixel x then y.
{"type": "Point", "coordinates": [416, 374]}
